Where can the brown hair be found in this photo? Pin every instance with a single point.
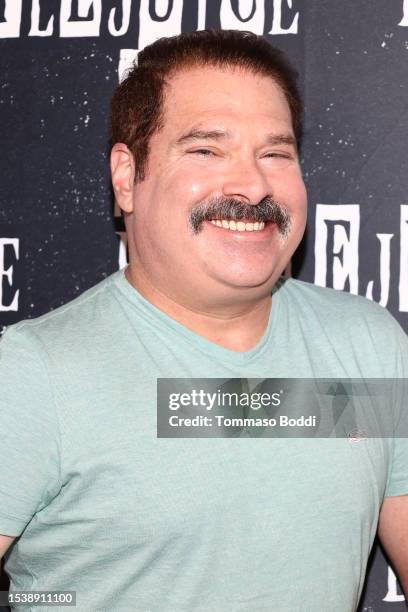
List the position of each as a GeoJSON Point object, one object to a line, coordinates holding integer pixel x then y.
{"type": "Point", "coordinates": [137, 103]}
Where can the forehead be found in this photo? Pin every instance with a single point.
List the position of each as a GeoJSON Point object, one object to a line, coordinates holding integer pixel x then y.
{"type": "Point", "coordinates": [233, 94]}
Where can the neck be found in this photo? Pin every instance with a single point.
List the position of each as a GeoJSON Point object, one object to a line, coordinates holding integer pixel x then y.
{"type": "Point", "coordinates": [237, 327]}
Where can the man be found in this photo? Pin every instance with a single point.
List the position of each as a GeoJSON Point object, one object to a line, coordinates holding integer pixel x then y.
{"type": "Point", "coordinates": [205, 168]}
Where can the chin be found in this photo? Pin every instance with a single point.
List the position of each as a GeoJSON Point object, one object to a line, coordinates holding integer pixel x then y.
{"type": "Point", "coordinates": [252, 281]}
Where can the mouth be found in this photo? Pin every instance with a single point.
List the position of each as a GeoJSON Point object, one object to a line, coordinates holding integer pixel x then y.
{"type": "Point", "coordinates": [242, 225]}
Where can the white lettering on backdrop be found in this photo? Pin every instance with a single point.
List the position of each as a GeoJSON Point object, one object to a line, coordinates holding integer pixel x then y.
{"type": "Point", "coordinates": [10, 27]}
{"type": "Point", "coordinates": [35, 22]}
{"type": "Point", "coordinates": [392, 592]}
{"type": "Point", "coordinates": [165, 22]}
{"type": "Point", "coordinates": [126, 11]}
{"type": "Point", "coordinates": [88, 10]}
{"type": "Point", "coordinates": [251, 16]}
{"type": "Point", "coordinates": [277, 27]}
{"type": "Point", "coordinates": [403, 282]}
{"type": "Point", "coordinates": [346, 228]}
{"type": "Point", "coordinates": [385, 270]}
{"type": "Point", "coordinates": [404, 20]}
{"type": "Point", "coordinates": [344, 221]}
{"type": "Point", "coordinates": [83, 18]}
{"type": "Point", "coordinates": [7, 274]}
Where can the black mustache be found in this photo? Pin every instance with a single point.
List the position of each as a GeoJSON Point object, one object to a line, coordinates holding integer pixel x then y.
{"type": "Point", "coordinates": [232, 208]}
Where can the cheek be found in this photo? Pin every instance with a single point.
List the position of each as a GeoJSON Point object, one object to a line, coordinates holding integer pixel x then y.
{"type": "Point", "coordinates": [171, 196]}
{"type": "Point", "coordinates": [291, 191]}
{"type": "Point", "coordinates": [189, 186]}
{"type": "Point", "coordinates": [187, 193]}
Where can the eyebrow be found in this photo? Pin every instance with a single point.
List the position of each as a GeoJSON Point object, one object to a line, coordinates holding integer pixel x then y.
{"type": "Point", "coordinates": [198, 134]}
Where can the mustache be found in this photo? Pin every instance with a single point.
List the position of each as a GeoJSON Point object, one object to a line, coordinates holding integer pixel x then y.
{"type": "Point", "coordinates": [267, 209]}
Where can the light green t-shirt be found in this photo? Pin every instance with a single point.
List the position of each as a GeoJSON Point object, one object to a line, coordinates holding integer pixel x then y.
{"type": "Point", "coordinates": [132, 522]}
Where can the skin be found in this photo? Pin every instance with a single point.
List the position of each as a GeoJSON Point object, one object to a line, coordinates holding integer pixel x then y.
{"type": "Point", "coordinates": [218, 282]}
{"type": "Point", "coordinates": [393, 535]}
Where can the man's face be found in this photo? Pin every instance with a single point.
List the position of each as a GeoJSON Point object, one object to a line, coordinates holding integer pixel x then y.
{"type": "Point", "coordinates": [228, 144]}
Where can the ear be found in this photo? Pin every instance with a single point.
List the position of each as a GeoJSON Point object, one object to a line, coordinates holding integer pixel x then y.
{"type": "Point", "coordinates": [123, 175]}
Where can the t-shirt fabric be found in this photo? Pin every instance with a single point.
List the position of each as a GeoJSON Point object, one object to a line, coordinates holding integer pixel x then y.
{"type": "Point", "coordinates": [133, 522]}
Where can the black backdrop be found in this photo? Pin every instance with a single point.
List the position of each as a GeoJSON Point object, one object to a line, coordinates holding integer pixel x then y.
{"type": "Point", "coordinates": [59, 230]}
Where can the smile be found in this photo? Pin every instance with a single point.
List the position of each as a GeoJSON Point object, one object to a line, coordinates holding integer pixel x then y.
{"type": "Point", "coordinates": [239, 226]}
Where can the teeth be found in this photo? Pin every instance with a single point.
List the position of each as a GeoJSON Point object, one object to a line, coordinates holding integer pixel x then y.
{"type": "Point", "coordinates": [239, 226]}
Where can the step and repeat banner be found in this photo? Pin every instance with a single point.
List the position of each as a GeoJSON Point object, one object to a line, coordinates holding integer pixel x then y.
{"type": "Point", "coordinates": [60, 232]}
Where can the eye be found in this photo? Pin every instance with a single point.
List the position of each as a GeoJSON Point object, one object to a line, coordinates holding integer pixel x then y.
{"type": "Point", "coordinates": [278, 155]}
{"type": "Point", "coordinates": [203, 152]}
{"type": "Point", "coordinates": [277, 160]}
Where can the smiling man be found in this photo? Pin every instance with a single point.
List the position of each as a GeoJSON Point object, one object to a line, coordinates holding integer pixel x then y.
{"type": "Point", "coordinates": [223, 205]}
{"type": "Point", "coordinates": [205, 167]}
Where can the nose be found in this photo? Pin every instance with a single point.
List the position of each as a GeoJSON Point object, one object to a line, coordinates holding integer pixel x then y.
{"type": "Point", "coordinates": [246, 180]}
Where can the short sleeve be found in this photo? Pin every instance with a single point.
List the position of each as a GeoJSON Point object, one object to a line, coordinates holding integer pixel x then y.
{"type": "Point", "coordinates": [397, 483]}
{"type": "Point", "coordinates": [29, 448]}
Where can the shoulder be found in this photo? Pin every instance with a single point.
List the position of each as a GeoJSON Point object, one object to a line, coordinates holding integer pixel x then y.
{"type": "Point", "coordinates": [332, 299]}
{"type": "Point", "coordinates": [69, 326]}
{"type": "Point", "coordinates": [330, 303]}
{"type": "Point", "coordinates": [354, 324]}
